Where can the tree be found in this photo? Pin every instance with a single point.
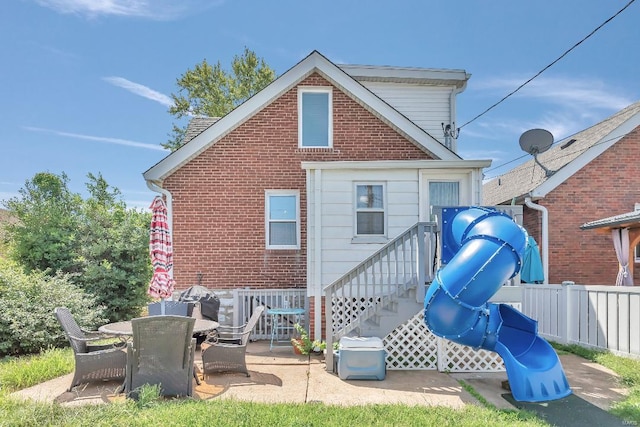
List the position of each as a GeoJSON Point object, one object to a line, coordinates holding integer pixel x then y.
{"type": "Point", "coordinates": [44, 235]}
{"type": "Point", "coordinates": [101, 243]}
{"type": "Point", "coordinates": [114, 251]}
{"type": "Point", "coordinates": [213, 92]}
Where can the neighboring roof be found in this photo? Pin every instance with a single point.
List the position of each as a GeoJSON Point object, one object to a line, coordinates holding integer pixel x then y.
{"type": "Point", "coordinates": [315, 62]}
{"type": "Point", "coordinates": [629, 219]}
{"type": "Point", "coordinates": [563, 159]}
{"type": "Point", "coordinates": [196, 126]}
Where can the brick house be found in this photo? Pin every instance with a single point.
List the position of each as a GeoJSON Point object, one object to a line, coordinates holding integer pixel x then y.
{"type": "Point", "coordinates": [312, 175]}
{"type": "Point", "coordinates": [589, 176]}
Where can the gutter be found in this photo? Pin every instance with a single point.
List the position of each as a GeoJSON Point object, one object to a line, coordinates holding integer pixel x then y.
{"type": "Point", "coordinates": [545, 236]}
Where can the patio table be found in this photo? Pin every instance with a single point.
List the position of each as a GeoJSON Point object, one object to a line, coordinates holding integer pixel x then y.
{"type": "Point", "coordinates": [202, 326]}
{"type": "Point", "coordinates": [281, 325]}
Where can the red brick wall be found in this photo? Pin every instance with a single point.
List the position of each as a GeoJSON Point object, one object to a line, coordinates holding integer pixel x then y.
{"type": "Point", "coordinates": [218, 197]}
{"type": "Point", "coordinates": [609, 185]}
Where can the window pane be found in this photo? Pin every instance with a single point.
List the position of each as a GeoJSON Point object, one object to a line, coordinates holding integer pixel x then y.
{"type": "Point", "coordinates": [370, 223]}
{"type": "Point", "coordinates": [282, 233]}
{"type": "Point", "coordinates": [282, 207]}
{"type": "Point", "coordinates": [315, 119]}
{"type": "Point", "coordinates": [369, 196]}
{"type": "Point", "coordinates": [444, 194]}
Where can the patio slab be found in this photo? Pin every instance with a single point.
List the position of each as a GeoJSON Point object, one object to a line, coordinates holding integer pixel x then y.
{"type": "Point", "coordinates": [279, 376]}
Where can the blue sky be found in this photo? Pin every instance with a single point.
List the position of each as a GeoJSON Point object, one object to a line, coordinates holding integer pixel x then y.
{"type": "Point", "coordinates": [86, 84]}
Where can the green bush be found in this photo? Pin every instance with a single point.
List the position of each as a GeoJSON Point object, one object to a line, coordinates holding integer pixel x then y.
{"type": "Point", "coordinates": [102, 245]}
{"type": "Point", "coordinates": [27, 301]}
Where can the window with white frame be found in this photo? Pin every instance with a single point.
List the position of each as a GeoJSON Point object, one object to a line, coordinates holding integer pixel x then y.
{"type": "Point", "coordinates": [637, 253]}
{"type": "Point", "coordinates": [370, 209]}
{"type": "Point", "coordinates": [282, 219]}
{"type": "Point", "coordinates": [315, 123]}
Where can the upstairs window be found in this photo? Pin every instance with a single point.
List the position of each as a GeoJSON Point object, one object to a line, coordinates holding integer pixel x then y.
{"type": "Point", "coordinates": [282, 219]}
{"type": "Point", "coordinates": [370, 210]}
{"type": "Point", "coordinates": [315, 124]}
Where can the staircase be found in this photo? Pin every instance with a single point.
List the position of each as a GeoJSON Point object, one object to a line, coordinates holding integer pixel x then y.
{"type": "Point", "coordinates": [383, 291]}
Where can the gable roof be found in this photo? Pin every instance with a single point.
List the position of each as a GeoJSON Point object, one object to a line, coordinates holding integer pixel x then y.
{"type": "Point", "coordinates": [562, 160]}
{"type": "Point", "coordinates": [315, 62]}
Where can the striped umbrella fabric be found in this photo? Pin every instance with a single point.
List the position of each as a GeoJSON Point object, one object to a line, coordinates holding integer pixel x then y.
{"type": "Point", "coordinates": [161, 252]}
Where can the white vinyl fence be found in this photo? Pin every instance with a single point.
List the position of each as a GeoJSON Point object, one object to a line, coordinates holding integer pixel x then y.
{"type": "Point", "coordinates": [604, 317]}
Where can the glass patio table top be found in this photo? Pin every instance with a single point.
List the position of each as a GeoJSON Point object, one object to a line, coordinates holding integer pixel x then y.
{"type": "Point", "coordinates": [202, 326]}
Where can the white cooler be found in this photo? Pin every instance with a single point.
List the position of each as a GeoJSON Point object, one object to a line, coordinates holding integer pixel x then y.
{"type": "Point", "coordinates": [361, 358]}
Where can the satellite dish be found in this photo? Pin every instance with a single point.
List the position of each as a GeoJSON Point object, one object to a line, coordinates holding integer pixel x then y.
{"type": "Point", "coordinates": [536, 141]}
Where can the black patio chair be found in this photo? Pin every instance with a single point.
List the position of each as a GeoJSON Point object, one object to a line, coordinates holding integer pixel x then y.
{"type": "Point", "coordinates": [162, 353]}
{"type": "Point", "coordinates": [94, 362]}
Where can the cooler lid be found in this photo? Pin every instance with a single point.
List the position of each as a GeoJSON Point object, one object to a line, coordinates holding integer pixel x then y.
{"type": "Point", "coordinates": [361, 342]}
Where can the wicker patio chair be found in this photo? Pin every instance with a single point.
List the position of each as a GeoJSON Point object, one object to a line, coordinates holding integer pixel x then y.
{"type": "Point", "coordinates": [162, 353]}
{"type": "Point", "coordinates": [226, 350]}
{"type": "Point", "coordinates": [93, 362]}
{"type": "Point", "coordinates": [173, 308]}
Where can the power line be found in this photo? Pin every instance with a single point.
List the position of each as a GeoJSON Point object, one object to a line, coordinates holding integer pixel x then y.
{"type": "Point", "coordinates": [548, 66]}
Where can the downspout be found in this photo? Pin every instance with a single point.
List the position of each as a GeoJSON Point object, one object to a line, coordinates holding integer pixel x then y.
{"type": "Point", "coordinates": [169, 200]}
{"type": "Point", "coordinates": [545, 236]}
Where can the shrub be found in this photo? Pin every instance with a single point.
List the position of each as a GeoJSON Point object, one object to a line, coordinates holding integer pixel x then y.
{"type": "Point", "coordinates": [27, 301]}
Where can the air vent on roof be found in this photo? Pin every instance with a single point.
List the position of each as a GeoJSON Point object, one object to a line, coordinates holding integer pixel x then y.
{"type": "Point", "coordinates": [567, 144]}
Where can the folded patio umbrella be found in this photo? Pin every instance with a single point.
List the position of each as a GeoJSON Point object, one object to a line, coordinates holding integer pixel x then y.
{"type": "Point", "coordinates": [162, 284]}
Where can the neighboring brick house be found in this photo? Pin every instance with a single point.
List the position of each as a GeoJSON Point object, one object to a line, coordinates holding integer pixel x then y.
{"type": "Point", "coordinates": [311, 175]}
{"type": "Point", "coordinates": [591, 175]}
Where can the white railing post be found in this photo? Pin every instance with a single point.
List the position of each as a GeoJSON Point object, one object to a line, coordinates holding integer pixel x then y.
{"type": "Point", "coordinates": [568, 327]}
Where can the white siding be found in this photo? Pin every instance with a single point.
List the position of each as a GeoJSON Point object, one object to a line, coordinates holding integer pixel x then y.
{"type": "Point", "coordinates": [339, 253]}
{"type": "Point", "coordinates": [426, 106]}
{"type": "Point", "coordinates": [332, 249]}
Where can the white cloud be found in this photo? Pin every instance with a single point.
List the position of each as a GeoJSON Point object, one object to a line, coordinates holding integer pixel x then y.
{"type": "Point", "coordinates": [570, 92]}
{"type": "Point", "coordinates": [107, 140]}
{"type": "Point", "coordinates": [140, 90]}
{"type": "Point", "coordinates": [163, 10]}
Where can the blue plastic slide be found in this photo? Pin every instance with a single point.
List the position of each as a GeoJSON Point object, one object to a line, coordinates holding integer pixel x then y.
{"type": "Point", "coordinates": [481, 249]}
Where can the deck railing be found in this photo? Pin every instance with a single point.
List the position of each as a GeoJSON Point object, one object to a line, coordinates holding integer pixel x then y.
{"type": "Point", "coordinates": [403, 263]}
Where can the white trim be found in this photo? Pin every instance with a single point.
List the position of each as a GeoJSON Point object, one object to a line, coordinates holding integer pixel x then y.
{"type": "Point", "coordinates": [440, 77]}
{"type": "Point", "coordinates": [316, 287]}
{"type": "Point", "coordinates": [315, 62]}
{"type": "Point", "coordinates": [399, 164]}
{"type": "Point", "coordinates": [267, 219]}
{"type": "Point", "coordinates": [370, 238]}
{"type": "Point", "coordinates": [316, 89]}
{"type": "Point", "coordinates": [582, 160]}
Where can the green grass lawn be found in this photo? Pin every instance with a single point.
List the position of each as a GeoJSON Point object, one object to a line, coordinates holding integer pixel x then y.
{"type": "Point", "coordinates": [19, 373]}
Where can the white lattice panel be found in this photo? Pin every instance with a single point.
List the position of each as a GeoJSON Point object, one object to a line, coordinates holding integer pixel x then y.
{"type": "Point", "coordinates": [348, 310]}
{"type": "Point", "coordinates": [411, 346]}
{"type": "Point", "coordinates": [462, 358]}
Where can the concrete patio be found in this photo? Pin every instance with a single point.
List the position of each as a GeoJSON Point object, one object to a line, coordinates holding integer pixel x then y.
{"type": "Point", "coordinates": [279, 376]}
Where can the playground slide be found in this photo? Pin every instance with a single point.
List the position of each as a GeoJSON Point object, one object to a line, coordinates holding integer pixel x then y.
{"type": "Point", "coordinates": [483, 248]}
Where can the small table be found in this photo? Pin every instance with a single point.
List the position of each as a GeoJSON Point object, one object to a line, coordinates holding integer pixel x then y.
{"type": "Point", "coordinates": [202, 326]}
{"type": "Point", "coordinates": [278, 327]}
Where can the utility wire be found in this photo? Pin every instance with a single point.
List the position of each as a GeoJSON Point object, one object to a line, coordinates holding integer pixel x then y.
{"type": "Point", "coordinates": [548, 66]}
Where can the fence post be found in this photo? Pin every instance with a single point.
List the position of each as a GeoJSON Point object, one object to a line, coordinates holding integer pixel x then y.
{"type": "Point", "coordinates": [568, 325]}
